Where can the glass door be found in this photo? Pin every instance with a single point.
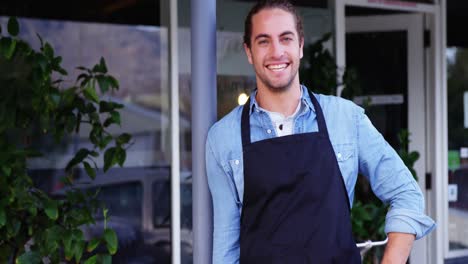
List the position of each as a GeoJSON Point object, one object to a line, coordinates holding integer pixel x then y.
{"type": "Point", "coordinates": [386, 54]}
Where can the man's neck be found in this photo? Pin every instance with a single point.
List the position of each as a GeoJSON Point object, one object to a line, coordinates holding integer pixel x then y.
{"type": "Point", "coordinates": [284, 102]}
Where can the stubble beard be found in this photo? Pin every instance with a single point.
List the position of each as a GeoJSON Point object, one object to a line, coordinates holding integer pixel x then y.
{"type": "Point", "coordinates": [275, 88]}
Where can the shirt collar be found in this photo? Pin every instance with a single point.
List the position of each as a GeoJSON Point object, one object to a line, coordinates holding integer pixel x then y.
{"type": "Point", "coordinates": [305, 99]}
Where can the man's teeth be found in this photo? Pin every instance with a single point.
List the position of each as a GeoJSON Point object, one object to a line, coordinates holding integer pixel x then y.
{"type": "Point", "coordinates": [277, 67]}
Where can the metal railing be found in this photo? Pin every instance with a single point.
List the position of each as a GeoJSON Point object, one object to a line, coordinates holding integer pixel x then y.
{"type": "Point", "coordinates": [366, 246]}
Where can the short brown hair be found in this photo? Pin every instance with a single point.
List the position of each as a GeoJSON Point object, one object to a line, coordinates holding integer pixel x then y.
{"type": "Point", "coordinates": [269, 4]}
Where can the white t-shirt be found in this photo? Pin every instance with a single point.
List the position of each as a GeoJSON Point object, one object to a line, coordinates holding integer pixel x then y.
{"type": "Point", "coordinates": [284, 125]}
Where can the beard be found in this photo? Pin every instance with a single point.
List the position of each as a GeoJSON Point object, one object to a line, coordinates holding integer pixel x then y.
{"type": "Point", "coordinates": [275, 86]}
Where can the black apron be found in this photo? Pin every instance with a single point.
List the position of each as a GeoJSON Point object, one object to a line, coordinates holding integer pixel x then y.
{"type": "Point", "coordinates": [295, 207]}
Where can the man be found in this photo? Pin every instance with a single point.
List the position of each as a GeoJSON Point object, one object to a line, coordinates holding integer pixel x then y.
{"type": "Point", "coordinates": [282, 168]}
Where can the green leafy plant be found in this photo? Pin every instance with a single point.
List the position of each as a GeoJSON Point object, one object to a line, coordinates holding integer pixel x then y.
{"type": "Point", "coordinates": [408, 157]}
{"type": "Point", "coordinates": [319, 71]}
{"type": "Point", "coordinates": [33, 106]}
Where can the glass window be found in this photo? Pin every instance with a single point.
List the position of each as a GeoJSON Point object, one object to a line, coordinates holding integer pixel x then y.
{"type": "Point", "coordinates": [457, 96]}
{"type": "Point", "coordinates": [132, 36]}
{"type": "Point", "coordinates": [124, 200]}
{"type": "Point", "coordinates": [161, 204]}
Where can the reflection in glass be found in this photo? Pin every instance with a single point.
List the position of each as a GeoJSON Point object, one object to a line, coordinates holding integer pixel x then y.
{"type": "Point", "coordinates": [123, 200]}
{"type": "Point", "coordinates": [457, 62]}
{"type": "Point", "coordinates": [138, 57]}
{"type": "Point", "coordinates": [382, 91]}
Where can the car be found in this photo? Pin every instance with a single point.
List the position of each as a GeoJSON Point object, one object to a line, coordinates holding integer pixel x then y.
{"type": "Point", "coordinates": [138, 202]}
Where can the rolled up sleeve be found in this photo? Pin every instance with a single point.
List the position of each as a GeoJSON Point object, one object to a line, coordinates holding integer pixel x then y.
{"type": "Point", "coordinates": [391, 181]}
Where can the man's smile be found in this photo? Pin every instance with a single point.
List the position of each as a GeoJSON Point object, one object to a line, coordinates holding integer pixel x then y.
{"type": "Point", "coordinates": [277, 67]}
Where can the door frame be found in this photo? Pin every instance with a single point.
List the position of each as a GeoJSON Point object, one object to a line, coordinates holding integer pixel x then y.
{"type": "Point", "coordinates": [413, 24]}
{"type": "Point", "coordinates": [436, 108]}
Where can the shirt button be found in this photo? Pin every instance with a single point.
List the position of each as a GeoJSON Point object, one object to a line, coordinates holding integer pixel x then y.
{"type": "Point", "coordinates": [269, 131]}
{"type": "Point", "coordinates": [236, 162]}
{"type": "Point", "coordinates": [338, 155]}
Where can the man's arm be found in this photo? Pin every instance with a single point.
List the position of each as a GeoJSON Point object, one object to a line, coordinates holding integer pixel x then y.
{"type": "Point", "coordinates": [226, 216]}
{"type": "Point", "coordinates": [398, 248]}
{"type": "Point", "coordinates": [393, 183]}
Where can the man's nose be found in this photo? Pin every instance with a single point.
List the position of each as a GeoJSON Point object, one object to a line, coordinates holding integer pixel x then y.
{"type": "Point", "coordinates": [277, 50]}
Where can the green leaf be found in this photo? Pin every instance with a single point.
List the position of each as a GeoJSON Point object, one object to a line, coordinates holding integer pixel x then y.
{"type": "Point", "coordinates": [91, 94]}
{"type": "Point", "coordinates": [7, 47]}
{"type": "Point", "coordinates": [111, 240]}
{"type": "Point", "coordinates": [115, 117]}
{"type": "Point", "coordinates": [52, 237]}
{"type": "Point", "coordinates": [29, 258]}
{"type": "Point", "coordinates": [33, 211]}
{"type": "Point", "coordinates": [42, 61]}
{"type": "Point", "coordinates": [2, 216]}
{"type": "Point", "coordinates": [67, 240]}
{"type": "Point", "coordinates": [101, 67]}
{"type": "Point", "coordinates": [414, 156]}
{"type": "Point", "coordinates": [114, 83]}
{"type": "Point", "coordinates": [109, 159]}
{"type": "Point", "coordinates": [13, 227]}
{"type": "Point", "coordinates": [102, 63]}
{"type": "Point", "coordinates": [51, 209]}
{"type": "Point", "coordinates": [105, 141]}
{"type": "Point", "coordinates": [105, 107]}
{"type": "Point", "coordinates": [79, 157]}
{"type": "Point", "coordinates": [120, 156]}
{"type": "Point", "coordinates": [6, 170]}
{"type": "Point", "coordinates": [105, 212]}
{"type": "Point", "coordinates": [91, 260]}
{"type": "Point", "coordinates": [78, 249]}
{"type": "Point", "coordinates": [123, 139]}
{"type": "Point", "coordinates": [82, 76]}
{"type": "Point", "coordinates": [77, 234]}
{"type": "Point", "coordinates": [61, 70]}
{"type": "Point", "coordinates": [89, 170]}
{"type": "Point", "coordinates": [109, 121]}
{"type": "Point", "coordinates": [106, 259]}
{"type": "Point", "coordinates": [92, 245]}
{"type": "Point", "coordinates": [54, 233]}
{"type": "Point", "coordinates": [13, 26]}
{"type": "Point", "coordinates": [48, 50]}
{"type": "Point", "coordinates": [103, 82]}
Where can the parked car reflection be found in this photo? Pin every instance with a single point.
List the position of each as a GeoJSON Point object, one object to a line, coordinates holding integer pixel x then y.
{"type": "Point", "coordinates": [138, 200]}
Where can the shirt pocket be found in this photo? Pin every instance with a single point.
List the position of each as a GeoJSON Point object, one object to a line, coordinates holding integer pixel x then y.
{"type": "Point", "coordinates": [345, 156]}
{"type": "Point", "coordinates": [237, 168]}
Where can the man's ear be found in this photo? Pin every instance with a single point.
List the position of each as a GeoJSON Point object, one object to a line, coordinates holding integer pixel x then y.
{"type": "Point", "coordinates": [301, 47]}
{"type": "Point", "coordinates": [248, 52]}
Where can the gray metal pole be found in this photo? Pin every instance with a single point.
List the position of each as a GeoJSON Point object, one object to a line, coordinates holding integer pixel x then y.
{"type": "Point", "coordinates": [203, 62]}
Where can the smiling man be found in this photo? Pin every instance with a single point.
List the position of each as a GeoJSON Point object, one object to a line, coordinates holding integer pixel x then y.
{"type": "Point", "coordinates": [283, 167]}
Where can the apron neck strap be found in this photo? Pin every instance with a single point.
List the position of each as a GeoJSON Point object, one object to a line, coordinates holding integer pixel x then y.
{"type": "Point", "coordinates": [245, 123]}
{"type": "Point", "coordinates": [245, 119]}
{"type": "Point", "coordinates": [319, 114]}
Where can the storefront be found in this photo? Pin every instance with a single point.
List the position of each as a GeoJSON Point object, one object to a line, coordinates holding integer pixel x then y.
{"type": "Point", "coordinates": [182, 66]}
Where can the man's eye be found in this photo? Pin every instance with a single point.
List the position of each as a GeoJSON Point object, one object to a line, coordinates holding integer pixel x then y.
{"type": "Point", "coordinates": [262, 42]}
{"type": "Point", "coordinates": [287, 39]}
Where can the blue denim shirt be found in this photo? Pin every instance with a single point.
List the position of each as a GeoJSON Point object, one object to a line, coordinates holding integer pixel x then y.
{"type": "Point", "coordinates": [358, 146]}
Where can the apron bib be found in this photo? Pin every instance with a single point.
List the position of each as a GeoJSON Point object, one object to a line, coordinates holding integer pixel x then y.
{"type": "Point", "coordinates": [295, 205]}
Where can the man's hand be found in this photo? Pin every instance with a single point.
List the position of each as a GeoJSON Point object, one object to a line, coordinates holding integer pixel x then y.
{"type": "Point", "coordinates": [398, 248]}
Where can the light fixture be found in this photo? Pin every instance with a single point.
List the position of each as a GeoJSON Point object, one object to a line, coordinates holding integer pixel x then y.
{"type": "Point", "coordinates": [242, 99]}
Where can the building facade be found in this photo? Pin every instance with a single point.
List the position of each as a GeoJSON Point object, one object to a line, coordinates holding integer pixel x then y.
{"type": "Point", "coordinates": [181, 66]}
